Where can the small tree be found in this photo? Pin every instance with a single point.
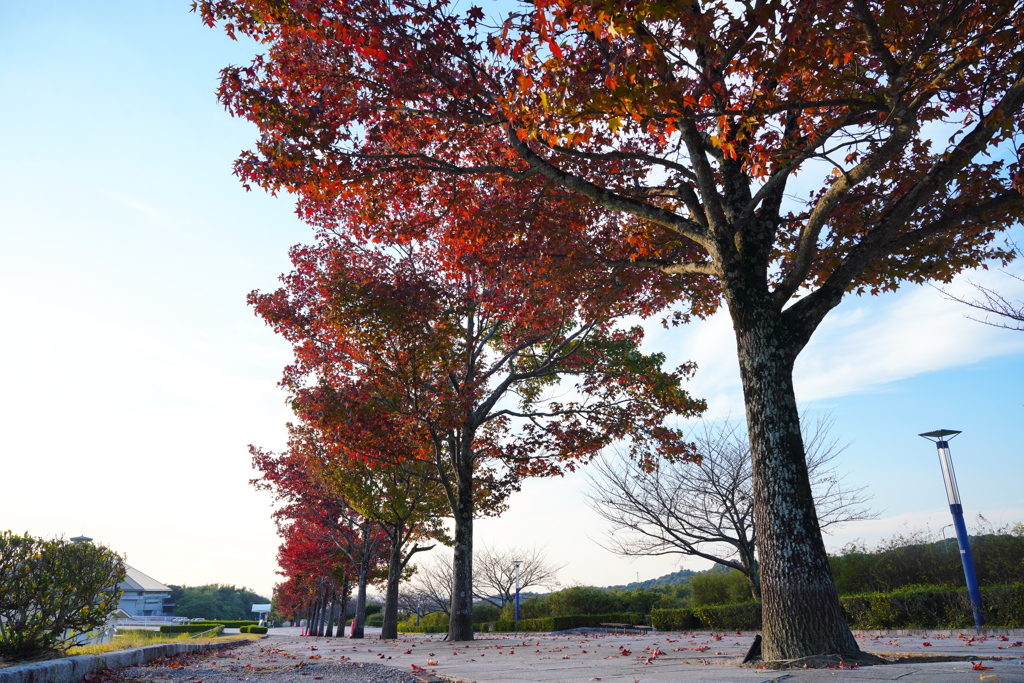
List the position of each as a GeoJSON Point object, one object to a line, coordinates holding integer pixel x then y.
{"type": "Point", "coordinates": [706, 509]}
{"type": "Point", "coordinates": [52, 592]}
{"type": "Point", "coordinates": [495, 575]}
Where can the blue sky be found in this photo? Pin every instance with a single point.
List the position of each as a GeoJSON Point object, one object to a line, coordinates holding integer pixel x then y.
{"type": "Point", "coordinates": [134, 375]}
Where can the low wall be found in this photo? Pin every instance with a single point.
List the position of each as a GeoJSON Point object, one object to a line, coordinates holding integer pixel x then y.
{"type": "Point", "coordinates": [74, 669]}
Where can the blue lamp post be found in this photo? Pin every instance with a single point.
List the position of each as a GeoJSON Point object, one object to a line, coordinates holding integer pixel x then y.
{"type": "Point", "coordinates": [941, 437]}
{"type": "Point", "coordinates": [517, 563]}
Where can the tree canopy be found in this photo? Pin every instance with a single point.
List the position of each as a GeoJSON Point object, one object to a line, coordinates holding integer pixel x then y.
{"type": "Point", "coordinates": [770, 156]}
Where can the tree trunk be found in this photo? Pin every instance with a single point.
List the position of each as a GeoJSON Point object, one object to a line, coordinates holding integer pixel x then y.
{"type": "Point", "coordinates": [360, 618]}
{"type": "Point", "coordinates": [315, 628]}
{"type": "Point", "coordinates": [460, 623]}
{"type": "Point", "coordinates": [801, 611]}
{"type": "Point", "coordinates": [332, 601]}
{"type": "Point", "coordinates": [342, 618]}
{"type": "Point", "coordinates": [389, 629]}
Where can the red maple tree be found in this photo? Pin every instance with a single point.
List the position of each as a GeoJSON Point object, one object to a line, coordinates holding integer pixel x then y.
{"type": "Point", "coordinates": [685, 124]}
{"type": "Point", "coordinates": [467, 359]}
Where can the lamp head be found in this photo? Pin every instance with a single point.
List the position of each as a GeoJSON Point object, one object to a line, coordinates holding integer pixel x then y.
{"type": "Point", "coordinates": [940, 434]}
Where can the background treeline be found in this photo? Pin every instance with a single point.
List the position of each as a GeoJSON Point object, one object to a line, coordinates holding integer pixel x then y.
{"type": "Point", "coordinates": [908, 578]}
{"type": "Point", "coordinates": [215, 601]}
{"type": "Point", "coordinates": [916, 558]}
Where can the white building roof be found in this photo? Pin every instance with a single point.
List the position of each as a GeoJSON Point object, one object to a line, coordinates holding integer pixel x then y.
{"type": "Point", "coordinates": [137, 581]}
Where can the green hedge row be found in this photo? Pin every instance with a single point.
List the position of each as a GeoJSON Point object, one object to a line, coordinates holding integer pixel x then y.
{"type": "Point", "coordinates": [227, 623]}
{"type": "Point", "coordinates": [547, 624]}
{"type": "Point", "coordinates": [190, 628]}
{"type": "Point", "coordinates": [252, 629]}
{"type": "Point", "coordinates": [425, 629]}
{"type": "Point", "coordinates": [908, 607]}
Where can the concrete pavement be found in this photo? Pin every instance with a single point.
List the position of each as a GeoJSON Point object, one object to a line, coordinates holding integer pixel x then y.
{"type": "Point", "coordinates": [663, 657]}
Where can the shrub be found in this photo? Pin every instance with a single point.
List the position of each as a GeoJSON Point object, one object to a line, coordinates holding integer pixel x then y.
{"type": "Point", "coordinates": [486, 612]}
{"type": "Point", "coordinates": [227, 623]}
{"type": "Point", "coordinates": [374, 620]}
{"type": "Point", "coordinates": [720, 588]}
{"type": "Point", "coordinates": [564, 623]}
{"type": "Point", "coordinates": [52, 592]}
{"type": "Point", "coordinates": [675, 620]}
{"type": "Point", "coordinates": [742, 617]}
{"type": "Point", "coordinates": [253, 629]}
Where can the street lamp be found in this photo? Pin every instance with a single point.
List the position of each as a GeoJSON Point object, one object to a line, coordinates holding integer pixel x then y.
{"type": "Point", "coordinates": [939, 436]}
{"type": "Point", "coordinates": [517, 563]}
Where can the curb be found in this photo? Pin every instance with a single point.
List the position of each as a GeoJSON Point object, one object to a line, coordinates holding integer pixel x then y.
{"type": "Point", "coordinates": [74, 669]}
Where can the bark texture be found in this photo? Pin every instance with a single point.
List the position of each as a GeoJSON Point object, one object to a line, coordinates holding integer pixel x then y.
{"type": "Point", "coordinates": [801, 611]}
{"type": "Point", "coordinates": [460, 624]}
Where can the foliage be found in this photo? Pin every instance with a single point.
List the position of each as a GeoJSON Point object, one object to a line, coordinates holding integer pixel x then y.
{"type": "Point", "coordinates": [918, 557]}
{"type": "Point", "coordinates": [227, 623]}
{"type": "Point", "coordinates": [215, 602]}
{"type": "Point", "coordinates": [484, 612]}
{"type": "Point", "coordinates": [253, 629]}
{"type": "Point", "coordinates": [719, 588]}
{"type": "Point", "coordinates": [53, 591]}
{"type": "Point", "coordinates": [909, 607]}
{"type": "Point", "coordinates": [684, 125]}
{"type": "Point", "coordinates": [399, 343]}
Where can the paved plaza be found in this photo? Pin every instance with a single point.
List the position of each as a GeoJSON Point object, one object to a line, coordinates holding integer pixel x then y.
{"type": "Point", "coordinates": [653, 657]}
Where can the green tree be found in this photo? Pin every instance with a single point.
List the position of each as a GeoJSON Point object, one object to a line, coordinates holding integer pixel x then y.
{"type": "Point", "coordinates": [215, 601]}
{"type": "Point", "coordinates": [52, 592]}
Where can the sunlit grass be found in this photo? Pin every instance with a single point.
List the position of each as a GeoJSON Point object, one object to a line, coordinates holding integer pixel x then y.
{"type": "Point", "coordinates": [126, 640]}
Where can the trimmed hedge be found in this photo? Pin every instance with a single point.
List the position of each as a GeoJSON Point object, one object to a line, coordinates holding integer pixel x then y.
{"type": "Point", "coordinates": [425, 629]}
{"type": "Point", "coordinates": [252, 629]}
{"type": "Point", "coordinates": [908, 607]}
{"type": "Point", "coordinates": [547, 624]}
{"type": "Point", "coordinates": [227, 623]}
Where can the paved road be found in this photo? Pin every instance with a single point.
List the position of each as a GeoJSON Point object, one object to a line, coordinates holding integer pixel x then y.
{"type": "Point", "coordinates": [651, 658]}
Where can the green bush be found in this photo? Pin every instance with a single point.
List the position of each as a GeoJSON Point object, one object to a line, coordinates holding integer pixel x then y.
{"type": "Point", "coordinates": [253, 629]}
{"type": "Point", "coordinates": [908, 607]}
{"type": "Point", "coordinates": [374, 620]}
{"type": "Point", "coordinates": [720, 588]}
{"type": "Point", "coordinates": [227, 623]}
{"type": "Point", "coordinates": [52, 592]}
{"type": "Point", "coordinates": [742, 617]}
{"type": "Point", "coordinates": [920, 558]}
{"type": "Point", "coordinates": [404, 628]}
{"type": "Point", "coordinates": [675, 620]}
{"type": "Point", "coordinates": [486, 612]}
{"type": "Point", "coordinates": [564, 623]}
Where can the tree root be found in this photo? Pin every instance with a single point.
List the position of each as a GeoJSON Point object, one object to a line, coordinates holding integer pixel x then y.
{"type": "Point", "coordinates": [820, 662]}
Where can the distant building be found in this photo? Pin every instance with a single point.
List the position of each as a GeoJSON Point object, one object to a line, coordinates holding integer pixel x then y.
{"type": "Point", "coordinates": [144, 596]}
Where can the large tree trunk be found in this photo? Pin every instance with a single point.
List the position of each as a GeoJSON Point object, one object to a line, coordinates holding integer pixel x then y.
{"type": "Point", "coordinates": [802, 615]}
{"type": "Point", "coordinates": [460, 623]}
{"type": "Point", "coordinates": [389, 629]}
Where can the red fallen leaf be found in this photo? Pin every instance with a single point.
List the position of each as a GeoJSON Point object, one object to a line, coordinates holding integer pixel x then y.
{"type": "Point", "coordinates": [416, 668]}
{"type": "Point", "coordinates": [407, 652]}
{"type": "Point", "coordinates": [1019, 643]}
{"type": "Point", "coordinates": [626, 653]}
{"type": "Point", "coordinates": [315, 657]}
{"type": "Point", "coordinates": [317, 678]}
{"type": "Point", "coordinates": [1003, 638]}
{"type": "Point", "coordinates": [431, 662]}
{"type": "Point", "coordinates": [926, 644]}
{"type": "Point", "coordinates": [978, 666]}
{"type": "Point", "coordinates": [174, 665]}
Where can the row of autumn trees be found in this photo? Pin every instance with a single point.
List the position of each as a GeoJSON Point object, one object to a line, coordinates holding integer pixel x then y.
{"type": "Point", "coordinates": [427, 384]}
{"type": "Point", "coordinates": [558, 163]}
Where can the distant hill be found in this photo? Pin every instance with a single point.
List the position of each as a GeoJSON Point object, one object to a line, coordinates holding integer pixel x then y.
{"type": "Point", "coordinates": [674, 579]}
